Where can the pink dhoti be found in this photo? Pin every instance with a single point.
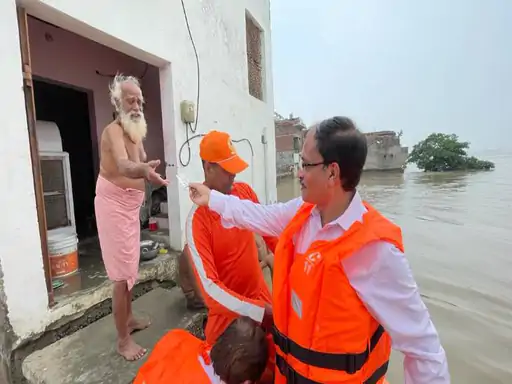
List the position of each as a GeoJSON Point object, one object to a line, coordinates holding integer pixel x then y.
{"type": "Point", "coordinates": [117, 218]}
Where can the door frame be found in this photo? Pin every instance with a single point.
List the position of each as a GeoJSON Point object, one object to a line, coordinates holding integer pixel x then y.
{"type": "Point", "coordinates": [28, 90]}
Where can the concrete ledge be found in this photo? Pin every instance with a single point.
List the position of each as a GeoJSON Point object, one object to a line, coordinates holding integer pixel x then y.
{"type": "Point", "coordinates": [162, 268]}
{"type": "Point", "coordinates": [89, 356]}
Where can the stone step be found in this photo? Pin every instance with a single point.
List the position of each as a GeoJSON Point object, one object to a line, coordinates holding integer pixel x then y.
{"type": "Point", "coordinates": [89, 355]}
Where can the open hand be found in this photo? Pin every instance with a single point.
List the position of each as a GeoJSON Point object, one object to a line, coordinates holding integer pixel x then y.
{"type": "Point", "coordinates": [199, 194]}
{"type": "Point", "coordinates": [152, 176]}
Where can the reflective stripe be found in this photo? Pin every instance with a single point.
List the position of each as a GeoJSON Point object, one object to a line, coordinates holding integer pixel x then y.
{"type": "Point", "coordinates": [293, 377]}
{"type": "Point", "coordinates": [218, 294]}
{"type": "Point", "coordinates": [348, 362]}
{"type": "Point", "coordinates": [208, 369]}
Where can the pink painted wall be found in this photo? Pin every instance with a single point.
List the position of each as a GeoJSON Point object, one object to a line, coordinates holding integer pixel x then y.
{"type": "Point", "coordinates": [67, 58]}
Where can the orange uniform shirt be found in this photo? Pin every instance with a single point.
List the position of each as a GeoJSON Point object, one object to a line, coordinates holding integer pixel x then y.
{"type": "Point", "coordinates": [226, 266]}
{"type": "Point", "coordinates": [179, 357]}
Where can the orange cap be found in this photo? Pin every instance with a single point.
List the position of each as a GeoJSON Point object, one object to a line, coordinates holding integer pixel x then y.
{"type": "Point", "coordinates": [216, 147]}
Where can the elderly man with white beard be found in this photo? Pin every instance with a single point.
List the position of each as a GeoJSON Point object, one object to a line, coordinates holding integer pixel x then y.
{"type": "Point", "coordinates": [119, 196]}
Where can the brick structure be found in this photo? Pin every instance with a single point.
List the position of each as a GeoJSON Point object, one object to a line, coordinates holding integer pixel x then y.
{"type": "Point", "coordinates": [289, 138]}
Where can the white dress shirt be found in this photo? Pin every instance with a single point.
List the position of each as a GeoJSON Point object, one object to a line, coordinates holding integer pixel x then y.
{"type": "Point", "coordinates": [379, 273]}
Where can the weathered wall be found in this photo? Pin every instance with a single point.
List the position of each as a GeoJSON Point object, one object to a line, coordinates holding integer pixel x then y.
{"type": "Point", "coordinates": [284, 162]}
{"type": "Point", "coordinates": [289, 139]}
{"type": "Point", "coordinates": [5, 336]}
{"type": "Point", "coordinates": [218, 28]}
{"type": "Point", "coordinates": [385, 152]}
{"type": "Point", "coordinates": [20, 246]}
{"type": "Point", "coordinates": [385, 158]}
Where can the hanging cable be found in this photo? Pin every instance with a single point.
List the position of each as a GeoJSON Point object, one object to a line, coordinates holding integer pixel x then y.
{"type": "Point", "coordinates": [186, 144]}
{"type": "Point", "coordinates": [188, 126]}
{"type": "Point", "coordinates": [197, 66]}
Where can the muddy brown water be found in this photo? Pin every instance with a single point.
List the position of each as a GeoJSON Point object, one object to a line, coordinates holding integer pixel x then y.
{"type": "Point", "coordinates": [457, 230]}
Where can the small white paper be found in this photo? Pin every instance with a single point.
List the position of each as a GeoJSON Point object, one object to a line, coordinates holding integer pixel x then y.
{"type": "Point", "coordinates": [183, 181]}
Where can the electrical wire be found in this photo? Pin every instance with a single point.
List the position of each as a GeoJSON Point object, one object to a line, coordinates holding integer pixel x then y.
{"type": "Point", "coordinates": [186, 144]}
{"type": "Point", "coordinates": [188, 126]}
{"type": "Point", "coordinates": [248, 142]}
{"type": "Point", "coordinates": [197, 66]}
{"type": "Point", "coordinates": [141, 77]}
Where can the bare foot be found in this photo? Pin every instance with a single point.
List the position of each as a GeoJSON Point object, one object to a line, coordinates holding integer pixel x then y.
{"type": "Point", "coordinates": [130, 350]}
{"type": "Point", "coordinates": [135, 325]}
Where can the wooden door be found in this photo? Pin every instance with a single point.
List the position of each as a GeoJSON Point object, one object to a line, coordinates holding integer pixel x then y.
{"type": "Point", "coordinates": [34, 149]}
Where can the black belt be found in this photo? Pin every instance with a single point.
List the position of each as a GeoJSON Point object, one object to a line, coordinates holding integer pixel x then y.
{"type": "Point", "coordinates": [293, 377]}
{"type": "Point", "coordinates": [348, 362]}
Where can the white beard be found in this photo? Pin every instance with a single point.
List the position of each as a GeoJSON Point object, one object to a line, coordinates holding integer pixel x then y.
{"type": "Point", "coordinates": [134, 126]}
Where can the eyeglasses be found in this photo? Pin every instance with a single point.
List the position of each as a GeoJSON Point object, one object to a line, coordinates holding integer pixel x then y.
{"type": "Point", "coordinates": [304, 165]}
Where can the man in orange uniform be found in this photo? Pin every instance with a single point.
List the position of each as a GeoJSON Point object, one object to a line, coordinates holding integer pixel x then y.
{"type": "Point", "coordinates": [343, 291]}
{"type": "Point", "coordinates": [238, 357]}
{"type": "Point", "coordinates": [225, 259]}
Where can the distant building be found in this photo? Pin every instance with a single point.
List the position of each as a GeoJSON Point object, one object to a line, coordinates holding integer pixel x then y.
{"type": "Point", "coordinates": [289, 138]}
{"type": "Point", "coordinates": [385, 152]}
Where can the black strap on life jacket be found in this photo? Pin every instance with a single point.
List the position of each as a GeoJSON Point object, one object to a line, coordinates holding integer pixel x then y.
{"type": "Point", "coordinates": [348, 362]}
{"type": "Point", "coordinates": [293, 377]}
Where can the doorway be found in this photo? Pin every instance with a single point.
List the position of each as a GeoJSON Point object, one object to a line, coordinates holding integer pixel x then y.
{"type": "Point", "coordinates": [68, 108]}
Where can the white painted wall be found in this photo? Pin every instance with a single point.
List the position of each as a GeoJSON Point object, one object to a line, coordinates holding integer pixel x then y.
{"type": "Point", "coordinates": [218, 28]}
{"type": "Point", "coordinates": [20, 245]}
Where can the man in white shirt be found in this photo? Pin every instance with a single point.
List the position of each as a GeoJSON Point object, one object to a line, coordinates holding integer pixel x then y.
{"type": "Point", "coordinates": [333, 158]}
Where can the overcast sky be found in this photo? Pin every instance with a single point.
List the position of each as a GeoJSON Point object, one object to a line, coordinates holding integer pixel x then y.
{"type": "Point", "coordinates": [411, 65]}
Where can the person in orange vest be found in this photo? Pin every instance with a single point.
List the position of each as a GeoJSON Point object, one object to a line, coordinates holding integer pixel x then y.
{"type": "Point", "coordinates": [343, 291]}
{"type": "Point", "coordinates": [238, 357]}
{"type": "Point", "coordinates": [224, 260]}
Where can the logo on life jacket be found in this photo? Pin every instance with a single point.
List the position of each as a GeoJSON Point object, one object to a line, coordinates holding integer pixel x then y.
{"type": "Point", "coordinates": [310, 261]}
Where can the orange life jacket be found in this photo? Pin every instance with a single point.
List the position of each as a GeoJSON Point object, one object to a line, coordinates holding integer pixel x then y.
{"type": "Point", "coordinates": [323, 332]}
{"type": "Point", "coordinates": [178, 357]}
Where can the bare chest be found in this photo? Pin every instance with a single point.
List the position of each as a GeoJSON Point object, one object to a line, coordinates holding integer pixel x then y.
{"type": "Point", "coordinates": [132, 150]}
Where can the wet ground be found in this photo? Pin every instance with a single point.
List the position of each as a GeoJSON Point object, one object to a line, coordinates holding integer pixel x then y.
{"type": "Point", "coordinates": [91, 271]}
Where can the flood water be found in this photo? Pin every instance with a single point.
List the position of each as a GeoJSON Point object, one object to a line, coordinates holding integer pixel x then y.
{"type": "Point", "coordinates": [458, 237]}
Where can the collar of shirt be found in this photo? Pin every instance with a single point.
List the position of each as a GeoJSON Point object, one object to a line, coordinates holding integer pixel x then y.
{"type": "Point", "coordinates": [353, 213]}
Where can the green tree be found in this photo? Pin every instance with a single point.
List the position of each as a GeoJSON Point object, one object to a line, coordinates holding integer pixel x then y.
{"type": "Point", "coordinates": [441, 152]}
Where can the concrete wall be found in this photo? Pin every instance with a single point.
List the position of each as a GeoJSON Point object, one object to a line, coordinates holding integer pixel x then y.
{"type": "Point", "coordinates": [5, 336]}
{"type": "Point", "coordinates": [287, 131]}
{"type": "Point", "coordinates": [284, 162]}
{"type": "Point", "coordinates": [20, 246]}
{"type": "Point", "coordinates": [385, 158]}
{"type": "Point", "coordinates": [67, 58]}
{"type": "Point", "coordinates": [385, 152]}
{"type": "Point", "coordinates": [218, 27]}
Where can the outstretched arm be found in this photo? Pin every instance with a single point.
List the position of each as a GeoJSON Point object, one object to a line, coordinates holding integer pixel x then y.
{"type": "Point", "coordinates": [265, 220]}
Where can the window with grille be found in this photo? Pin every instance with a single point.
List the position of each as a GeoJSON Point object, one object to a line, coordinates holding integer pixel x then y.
{"type": "Point", "coordinates": [254, 39]}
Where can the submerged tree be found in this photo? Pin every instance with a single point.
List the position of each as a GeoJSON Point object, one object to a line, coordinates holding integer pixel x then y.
{"type": "Point", "coordinates": [441, 152]}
